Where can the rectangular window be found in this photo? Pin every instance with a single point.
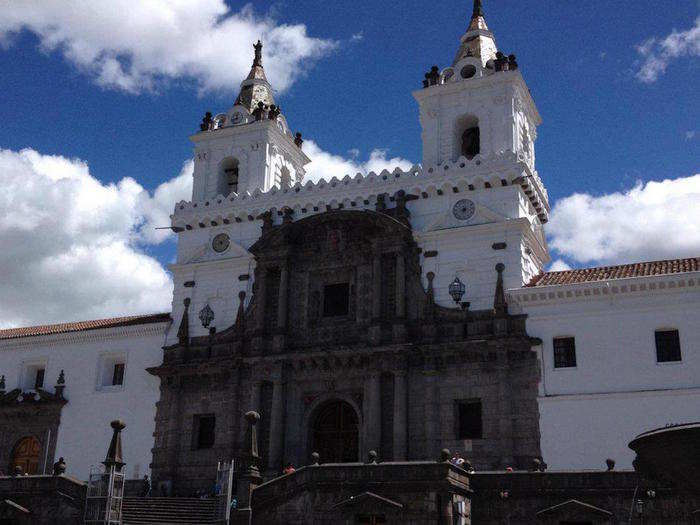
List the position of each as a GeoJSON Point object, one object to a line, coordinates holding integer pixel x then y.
{"type": "Point", "coordinates": [336, 300]}
{"type": "Point", "coordinates": [469, 423]}
{"type": "Point", "coordinates": [39, 378]}
{"type": "Point", "coordinates": [668, 346]}
{"type": "Point", "coordinates": [118, 374]}
{"type": "Point", "coordinates": [204, 431]}
{"type": "Point", "coordinates": [564, 352]}
{"type": "Point", "coordinates": [110, 373]}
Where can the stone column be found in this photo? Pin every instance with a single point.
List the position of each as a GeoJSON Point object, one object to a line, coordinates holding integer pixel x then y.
{"type": "Point", "coordinates": [376, 286]}
{"type": "Point", "coordinates": [282, 303]}
{"type": "Point", "coordinates": [400, 417]}
{"type": "Point", "coordinates": [400, 286]}
{"type": "Point", "coordinates": [375, 333]}
{"type": "Point", "coordinates": [372, 413]}
{"type": "Point", "coordinates": [293, 431]}
{"type": "Point", "coordinates": [276, 427]}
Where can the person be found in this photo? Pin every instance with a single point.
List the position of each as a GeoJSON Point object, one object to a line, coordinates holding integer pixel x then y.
{"type": "Point", "coordinates": [457, 460]}
{"type": "Point", "coordinates": [216, 489]}
{"type": "Point", "coordinates": [146, 489]}
{"type": "Point", "coordinates": [288, 469]}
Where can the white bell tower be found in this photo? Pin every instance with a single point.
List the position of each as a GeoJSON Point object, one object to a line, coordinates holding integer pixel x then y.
{"type": "Point", "coordinates": [248, 148]}
{"type": "Point", "coordinates": [479, 125]}
{"type": "Point", "coordinates": [480, 105]}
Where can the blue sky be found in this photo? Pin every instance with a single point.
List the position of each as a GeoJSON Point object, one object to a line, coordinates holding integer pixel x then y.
{"type": "Point", "coordinates": [346, 84]}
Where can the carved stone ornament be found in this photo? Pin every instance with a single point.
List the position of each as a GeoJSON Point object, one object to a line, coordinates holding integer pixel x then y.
{"type": "Point", "coordinates": [206, 315]}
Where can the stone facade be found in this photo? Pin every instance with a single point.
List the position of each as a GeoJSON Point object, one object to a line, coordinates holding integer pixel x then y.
{"type": "Point", "coordinates": [34, 416]}
{"type": "Point", "coordinates": [402, 363]}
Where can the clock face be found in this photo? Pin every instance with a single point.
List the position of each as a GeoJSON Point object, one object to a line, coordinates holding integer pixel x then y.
{"type": "Point", "coordinates": [220, 243]}
{"type": "Point", "coordinates": [463, 210]}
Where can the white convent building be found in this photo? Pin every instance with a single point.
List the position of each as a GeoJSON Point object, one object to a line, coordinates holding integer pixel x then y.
{"type": "Point", "coordinates": [619, 345]}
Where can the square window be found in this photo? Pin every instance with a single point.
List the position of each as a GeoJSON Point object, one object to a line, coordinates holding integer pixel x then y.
{"type": "Point", "coordinates": [668, 346]}
{"type": "Point", "coordinates": [564, 352]}
{"type": "Point", "coordinates": [204, 431]}
{"type": "Point", "coordinates": [469, 423]}
{"type": "Point", "coordinates": [118, 374]}
{"type": "Point", "coordinates": [33, 376]}
{"type": "Point", "coordinates": [336, 300]}
{"type": "Point", "coordinates": [110, 374]}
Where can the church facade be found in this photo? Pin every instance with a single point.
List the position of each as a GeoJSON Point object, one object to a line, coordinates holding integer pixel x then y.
{"type": "Point", "coordinates": [402, 312]}
{"type": "Point", "coordinates": [370, 312]}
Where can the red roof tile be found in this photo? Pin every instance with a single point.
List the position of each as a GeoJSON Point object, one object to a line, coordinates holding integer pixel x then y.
{"type": "Point", "coordinates": [80, 326]}
{"type": "Point", "coordinates": [623, 271]}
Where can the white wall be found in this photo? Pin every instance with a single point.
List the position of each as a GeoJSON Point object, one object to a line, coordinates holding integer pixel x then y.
{"type": "Point", "coordinates": [84, 432]}
{"type": "Point", "coordinates": [617, 389]}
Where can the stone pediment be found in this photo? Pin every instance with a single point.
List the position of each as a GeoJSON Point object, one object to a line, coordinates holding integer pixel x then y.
{"type": "Point", "coordinates": [368, 502]}
{"type": "Point", "coordinates": [482, 215]}
{"type": "Point", "coordinates": [574, 509]}
{"type": "Point", "coordinates": [17, 397]}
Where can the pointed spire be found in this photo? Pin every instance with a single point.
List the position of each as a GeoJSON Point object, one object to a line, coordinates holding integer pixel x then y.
{"type": "Point", "coordinates": [478, 21]}
{"type": "Point", "coordinates": [250, 98]}
{"type": "Point", "coordinates": [183, 333]}
{"type": "Point", "coordinates": [478, 41]}
{"type": "Point", "coordinates": [478, 9]}
{"type": "Point", "coordinates": [500, 307]}
{"type": "Point", "coordinates": [114, 453]}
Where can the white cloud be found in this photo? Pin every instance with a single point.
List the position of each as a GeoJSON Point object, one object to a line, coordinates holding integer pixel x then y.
{"type": "Point", "coordinates": [73, 247]}
{"type": "Point", "coordinates": [655, 220]}
{"type": "Point", "coordinates": [327, 165]}
{"type": "Point", "coordinates": [559, 266]}
{"type": "Point", "coordinates": [133, 45]}
{"type": "Point", "coordinates": [658, 54]}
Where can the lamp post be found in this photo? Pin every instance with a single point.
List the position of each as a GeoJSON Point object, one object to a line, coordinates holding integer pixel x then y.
{"type": "Point", "coordinates": [457, 290]}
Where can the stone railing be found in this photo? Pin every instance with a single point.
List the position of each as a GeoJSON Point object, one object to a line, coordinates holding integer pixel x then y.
{"type": "Point", "coordinates": [480, 172]}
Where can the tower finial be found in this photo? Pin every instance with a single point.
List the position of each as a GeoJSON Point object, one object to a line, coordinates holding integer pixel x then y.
{"type": "Point", "coordinates": [258, 54]}
{"type": "Point", "coordinates": [478, 9]}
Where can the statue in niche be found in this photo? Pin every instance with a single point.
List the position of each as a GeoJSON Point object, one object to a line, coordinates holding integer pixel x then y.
{"type": "Point", "coordinates": [470, 142]}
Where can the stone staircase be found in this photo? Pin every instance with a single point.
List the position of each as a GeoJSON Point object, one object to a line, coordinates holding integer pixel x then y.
{"type": "Point", "coordinates": [162, 511]}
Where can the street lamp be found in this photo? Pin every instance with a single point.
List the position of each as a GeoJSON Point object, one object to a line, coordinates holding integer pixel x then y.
{"type": "Point", "coordinates": [457, 290]}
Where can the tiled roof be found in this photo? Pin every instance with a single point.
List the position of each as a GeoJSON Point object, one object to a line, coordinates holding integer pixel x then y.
{"type": "Point", "coordinates": [623, 271]}
{"type": "Point", "coordinates": [80, 326]}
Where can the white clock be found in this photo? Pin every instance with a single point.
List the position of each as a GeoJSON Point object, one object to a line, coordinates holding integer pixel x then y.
{"type": "Point", "coordinates": [464, 209]}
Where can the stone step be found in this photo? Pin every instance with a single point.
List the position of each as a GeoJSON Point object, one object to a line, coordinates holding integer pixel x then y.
{"type": "Point", "coordinates": [161, 511]}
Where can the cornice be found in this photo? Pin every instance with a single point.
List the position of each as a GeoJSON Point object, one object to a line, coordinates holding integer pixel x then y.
{"type": "Point", "coordinates": [481, 84]}
{"type": "Point", "coordinates": [360, 192]}
{"type": "Point", "coordinates": [85, 336]}
{"type": "Point", "coordinates": [607, 289]}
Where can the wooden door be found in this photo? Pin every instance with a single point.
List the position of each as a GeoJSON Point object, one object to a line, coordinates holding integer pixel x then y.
{"type": "Point", "coordinates": [26, 455]}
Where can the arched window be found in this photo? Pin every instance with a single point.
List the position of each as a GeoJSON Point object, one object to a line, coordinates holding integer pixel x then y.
{"type": "Point", "coordinates": [471, 142]}
{"type": "Point", "coordinates": [229, 176]}
{"type": "Point", "coordinates": [335, 433]}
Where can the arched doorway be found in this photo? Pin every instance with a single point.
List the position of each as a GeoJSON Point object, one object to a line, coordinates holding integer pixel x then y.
{"type": "Point", "coordinates": [26, 455]}
{"type": "Point", "coordinates": [335, 434]}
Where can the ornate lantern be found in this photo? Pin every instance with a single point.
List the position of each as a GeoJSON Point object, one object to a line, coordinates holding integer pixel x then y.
{"type": "Point", "coordinates": [206, 315]}
{"type": "Point", "coordinates": [457, 290]}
